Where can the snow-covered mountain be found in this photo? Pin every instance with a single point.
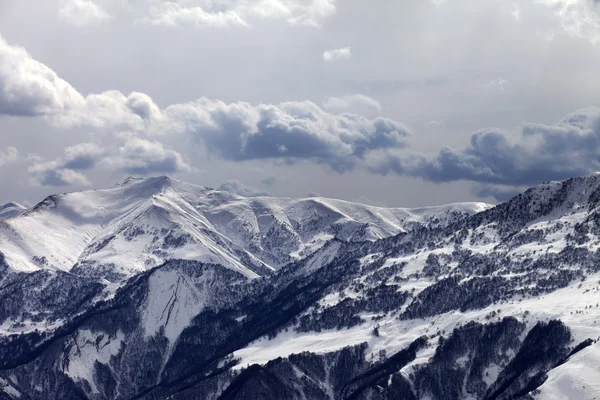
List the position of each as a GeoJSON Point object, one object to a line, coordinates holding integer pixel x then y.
{"type": "Point", "coordinates": [141, 223]}
{"type": "Point", "coordinates": [465, 301]}
{"type": "Point", "coordinates": [10, 210]}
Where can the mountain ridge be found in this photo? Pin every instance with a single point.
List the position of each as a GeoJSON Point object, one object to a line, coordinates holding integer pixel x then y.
{"type": "Point", "coordinates": [227, 226]}
{"type": "Point", "coordinates": [497, 304]}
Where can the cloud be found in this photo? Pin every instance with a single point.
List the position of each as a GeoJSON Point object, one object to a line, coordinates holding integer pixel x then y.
{"type": "Point", "coordinates": [516, 13]}
{"type": "Point", "coordinates": [221, 14]}
{"type": "Point", "coordinates": [435, 124]}
{"type": "Point", "coordinates": [29, 88]}
{"type": "Point", "coordinates": [10, 155]}
{"type": "Point", "coordinates": [496, 85]}
{"type": "Point", "coordinates": [65, 171]}
{"type": "Point", "coordinates": [291, 131]}
{"type": "Point", "coordinates": [174, 14]}
{"type": "Point", "coordinates": [240, 189]}
{"type": "Point", "coordinates": [577, 17]}
{"type": "Point", "coordinates": [130, 125]}
{"type": "Point", "coordinates": [133, 156]}
{"type": "Point", "coordinates": [82, 156]}
{"type": "Point", "coordinates": [354, 103]}
{"type": "Point", "coordinates": [499, 192]}
{"type": "Point", "coordinates": [269, 181]}
{"type": "Point", "coordinates": [53, 174]}
{"type": "Point", "coordinates": [82, 12]}
{"type": "Point", "coordinates": [143, 157]}
{"type": "Point", "coordinates": [571, 147]}
{"type": "Point", "coordinates": [337, 54]}
{"type": "Point", "coordinates": [238, 131]}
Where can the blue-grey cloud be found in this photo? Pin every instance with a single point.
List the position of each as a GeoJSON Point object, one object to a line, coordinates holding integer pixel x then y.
{"type": "Point", "coordinates": [290, 131]}
{"type": "Point", "coordinates": [568, 148]}
{"type": "Point", "coordinates": [499, 192]}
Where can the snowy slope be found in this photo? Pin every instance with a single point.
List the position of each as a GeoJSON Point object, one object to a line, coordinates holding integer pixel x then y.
{"type": "Point", "coordinates": [10, 210]}
{"type": "Point", "coordinates": [140, 223]}
{"type": "Point", "coordinates": [506, 298]}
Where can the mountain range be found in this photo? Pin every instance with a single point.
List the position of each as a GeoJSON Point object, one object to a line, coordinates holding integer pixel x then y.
{"type": "Point", "coordinates": [159, 289]}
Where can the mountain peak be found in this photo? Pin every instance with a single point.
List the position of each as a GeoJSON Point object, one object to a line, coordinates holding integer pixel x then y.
{"type": "Point", "coordinates": [11, 210]}
{"type": "Point", "coordinates": [143, 222]}
{"type": "Point", "coordinates": [131, 180]}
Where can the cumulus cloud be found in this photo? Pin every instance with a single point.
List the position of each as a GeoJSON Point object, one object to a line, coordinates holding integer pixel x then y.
{"type": "Point", "coordinates": [10, 155]}
{"type": "Point", "coordinates": [82, 156]}
{"type": "Point", "coordinates": [66, 171]}
{"type": "Point", "coordinates": [174, 14]}
{"type": "Point", "coordinates": [337, 54]}
{"type": "Point", "coordinates": [240, 189]}
{"type": "Point", "coordinates": [29, 88]}
{"type": "Point", "coordinates": [143, 157]}
{"type": "Point", "coordinates": [571, 147]}
{"type": "Point", "coordinates": [53, 174]}
{"type": "Point", "coordinates": [133, 156]}
{"type": "Point", "coordinates": [82, 12]}
{"type": "Point", "coordinates": [235, 131]}
{"type": "Point", "coordinates": [220, 14]}
{"type": "Point", "coordinates": [290, 131]}
{"type": "Point", "coordinates": [354, 103]}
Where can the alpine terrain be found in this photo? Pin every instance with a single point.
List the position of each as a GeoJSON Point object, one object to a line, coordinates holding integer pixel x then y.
{"type": "Point", "coordinates": [159, 289]}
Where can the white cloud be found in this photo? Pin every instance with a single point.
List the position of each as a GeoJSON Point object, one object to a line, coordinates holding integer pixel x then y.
{"type": "Point", "coordinates": [435, 124]}
{"type": "Point", "coordinates": [82, 12]}
{"type": "Point", "coordinates": [577, 17]}
{"type": "Point", "coordinates": [28, 87]}
{"type": "Point", "coordinates": [337, 54]}
{"type": "Point", "coordinates": [132, 155]}
{"type": "Point", "coordinates": [174, 14]}
{"type": "Point", "coordinates": [53, 174]}
{"type": "Point", "coordinates": [10, 155]}
{"type": "Point", "coordinates": [496, 84]}
{"type": "Point", "coordinates": [353, 103]}
{"type": "Point", "coordinates": [516, 13]}
{"type": "Point", "coordinates": [236, 131]}
{"type": "Point", "coordinates": [220, 14]}
{"type": "Point", "coordinates": [143, 157]}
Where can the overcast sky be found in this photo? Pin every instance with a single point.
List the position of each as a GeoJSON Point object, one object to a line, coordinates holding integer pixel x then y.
{"type": "Point", "coordinates": [396, 103]}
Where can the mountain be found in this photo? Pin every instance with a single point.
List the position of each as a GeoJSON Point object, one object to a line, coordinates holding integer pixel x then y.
{"type": "Point", "coordinates": [264, 298]}
{"type": "Point", "coordinates": [10, 210]}
{"type": "Point", "coordinates": [139, 224]}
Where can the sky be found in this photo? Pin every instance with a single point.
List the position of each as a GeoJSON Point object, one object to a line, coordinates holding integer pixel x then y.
{"type": "Point", "coordinates": [393, 103]}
